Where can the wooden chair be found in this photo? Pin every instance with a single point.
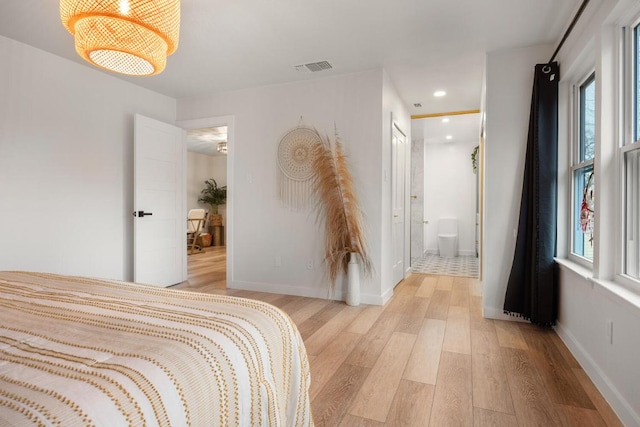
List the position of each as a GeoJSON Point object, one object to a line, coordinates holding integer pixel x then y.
{"type": "Point", "coordinates": [195, 223]}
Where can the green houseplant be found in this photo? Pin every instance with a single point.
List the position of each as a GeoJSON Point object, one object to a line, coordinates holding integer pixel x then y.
{"type": "Point", "coordinates": [213, 196]}
{"type": "Point", "coordinates": [474, 159]}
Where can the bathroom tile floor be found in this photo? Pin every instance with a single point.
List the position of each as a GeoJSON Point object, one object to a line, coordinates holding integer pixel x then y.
{"type": "Point", "coordinates": [433, 264]}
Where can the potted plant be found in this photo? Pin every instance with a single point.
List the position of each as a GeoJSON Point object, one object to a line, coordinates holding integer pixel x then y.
{"type": "Point", "coordinates": [213, 196]}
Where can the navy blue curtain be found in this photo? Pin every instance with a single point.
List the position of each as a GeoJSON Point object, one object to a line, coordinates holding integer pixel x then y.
{"type": "Point", "coordinates": [532, 288]}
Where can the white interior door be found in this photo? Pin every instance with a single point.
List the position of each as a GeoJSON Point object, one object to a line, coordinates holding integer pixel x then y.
{"type": "Point", "coordinates": [398, 147]}
{"type": "Point", "coordinates": [159, 200]}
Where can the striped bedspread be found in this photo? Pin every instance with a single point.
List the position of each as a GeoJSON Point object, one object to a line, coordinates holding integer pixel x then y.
{"type": "Point", "coordinates": [81, 352]}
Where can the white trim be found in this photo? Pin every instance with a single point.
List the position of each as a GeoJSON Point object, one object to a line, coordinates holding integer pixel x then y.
{"type": "Point", "coordinates": [618, 293]}
{"type": "Point", "coordinates": [395, 125]}
{"type": "Point", "coordinates": [228, 121]}
{"type": "Point", "coordinates": [621, 274]}
{"type": "Point", "coordinates": [274, 288]}
{"type": "Point", "coordinates": [460, 252]}
{"type": "Point", "coordinates": [575, 163]}
{"type": "Point", "coordinates": [623, 102]}
{"type": "Point", "coordinates": [630, 147]}
{"type": "Point", "coordinates": [385, 297]}
{"type": "Point", "coordinates": [605, 386]}
{"type": "Point", "coordinates": [625, 74]}
{"type": "Point", "coordinates": [576, 268]}
{"type": "Point", "coordinates": [628, 282]}
{"type": "Point", "coordinates": [582, 164]}
{"type": "Point", "coordinates": [573, 257]}
{"type": "Point", "coordinates": [626, 63]}
{"type": "Point", "coordinates": [613, 290]}
{"type": "Point", "coordinates": [185, 257]}
{"type": "Point", "coordinates": [467, 253]}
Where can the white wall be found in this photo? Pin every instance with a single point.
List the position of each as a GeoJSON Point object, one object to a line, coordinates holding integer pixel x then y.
{"type": "Point", "coordinates": [263, 228]}
{"type": "Point", "coordinates": [66, 169]}
{"type": "Point", "coordinates": [392, 110]}
{"type": "Point", "coordinates": [589, 298]}
{"type": "Point", "coordinates": [66, 164]}
{"type": "Point", "coordinates": [450, 191]}
{"type": "Point", "coordinates": [418, 240]}
{"type": "Point", "coordinates": [201, 167]}
{"type": "Point", "coordinates": [585, 309]}
{"type": "Point", "coordinates": [509, 82]}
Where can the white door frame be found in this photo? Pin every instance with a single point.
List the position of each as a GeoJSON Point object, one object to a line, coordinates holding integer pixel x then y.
{"type": "Point", "coordinates": [209, 122]}
{"type": "Point", "coordinates": [395, 127]}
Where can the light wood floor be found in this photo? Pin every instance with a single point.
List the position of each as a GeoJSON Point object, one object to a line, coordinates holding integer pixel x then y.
{"type": "Point", "coordinates": [429, 358]}
{"type": "Point", "coordinates": [206, 270]}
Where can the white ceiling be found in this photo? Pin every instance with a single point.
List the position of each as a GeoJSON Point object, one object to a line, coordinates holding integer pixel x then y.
{"type": "Point", "coordinates": [205, 140]}
{"type": "Point", "coordinates": [433, 130]}
{"type": "Point", "coordinates": [424, 45]}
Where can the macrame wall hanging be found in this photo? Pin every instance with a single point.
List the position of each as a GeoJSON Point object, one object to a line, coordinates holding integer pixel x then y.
{"type": "Point", "coordinates": [296, 153]}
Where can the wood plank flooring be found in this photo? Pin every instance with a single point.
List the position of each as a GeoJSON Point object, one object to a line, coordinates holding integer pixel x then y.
{"type": "Point", "coordinates": [427, 358]}
{"type": "Point", "coordinates": [206, 270]}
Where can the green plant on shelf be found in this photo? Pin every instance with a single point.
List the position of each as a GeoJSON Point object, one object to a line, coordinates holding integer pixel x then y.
{"type": "Point", "coordinates": [213, 195]}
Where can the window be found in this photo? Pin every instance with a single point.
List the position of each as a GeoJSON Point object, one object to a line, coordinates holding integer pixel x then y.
{"type": "Point", "coordinates": [582, 170]}
{"type": "Point", "coordinates": [631, 167]}
{"type": "Point", "coordinates": [636, 81]}
{"type": "Point", "coordinates": [632, 211]}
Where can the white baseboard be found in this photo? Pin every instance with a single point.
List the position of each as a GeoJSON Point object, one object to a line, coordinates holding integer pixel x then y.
{"type": "Point", "coordinates": [339, 295]}
{"type": "Point", "coordinates": [618, 403]}
{"type": "Point", "coordinates": [386, 297]}
{"type": "Point", "coordinates": [460, 252]}
{"type": "Point", "coordinates": [621, 407]}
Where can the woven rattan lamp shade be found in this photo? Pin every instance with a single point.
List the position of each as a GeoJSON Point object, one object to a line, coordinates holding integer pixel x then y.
{"type": "Point", "coordinates": [126, 36]}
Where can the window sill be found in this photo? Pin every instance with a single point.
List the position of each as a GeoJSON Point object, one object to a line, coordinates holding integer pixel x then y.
{"type": "Point", "coordinates": [613, 290]}
{"type": "Point", "coordinates": [575, 268]}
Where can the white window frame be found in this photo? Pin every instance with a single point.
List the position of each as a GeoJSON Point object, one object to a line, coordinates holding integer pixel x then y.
{"type": "Point", "coordinates": [626, 143]}
{"type": "Point", "coordinates": [576, 164]}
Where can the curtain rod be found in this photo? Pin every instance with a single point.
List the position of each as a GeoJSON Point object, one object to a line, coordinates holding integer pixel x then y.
{"type": "Point", "coordinates": [583, 6]}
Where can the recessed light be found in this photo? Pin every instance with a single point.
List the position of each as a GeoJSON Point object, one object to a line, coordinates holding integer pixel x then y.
{"type": "Point", "coordinates": [449, 137]}
{"type": "Point", "coordinates": [439, 93]}
{"type": "Point", "coordinates": [445, 120]}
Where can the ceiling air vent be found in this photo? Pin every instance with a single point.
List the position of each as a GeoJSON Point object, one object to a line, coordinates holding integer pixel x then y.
{"type": "Point", "coordinates": [313, 67]}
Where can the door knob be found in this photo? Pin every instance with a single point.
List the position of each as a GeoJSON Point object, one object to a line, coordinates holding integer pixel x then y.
{"type": "Point", "coordinates": [141, 214]}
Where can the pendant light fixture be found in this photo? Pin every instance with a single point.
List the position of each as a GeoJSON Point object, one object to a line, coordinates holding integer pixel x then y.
{"type": "Point", "coordinates": [126, 36]}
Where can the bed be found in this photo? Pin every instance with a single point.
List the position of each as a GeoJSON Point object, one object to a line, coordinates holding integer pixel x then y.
{"type": "Point", "coordinates": [78, 351]}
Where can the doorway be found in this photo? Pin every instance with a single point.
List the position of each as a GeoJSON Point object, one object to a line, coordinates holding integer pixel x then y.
{"type": "Point", "coordinates": [398, 146]}
{"type": "Point", "coordinates": [208, 167]}
{"type": "Point", "coordinates": [446, 223]}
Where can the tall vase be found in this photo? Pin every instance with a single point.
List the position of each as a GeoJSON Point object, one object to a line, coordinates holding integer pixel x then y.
{"type": "Point", "coordinates": [353, 281]}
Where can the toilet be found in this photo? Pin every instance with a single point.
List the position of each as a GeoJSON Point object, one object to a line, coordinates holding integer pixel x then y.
{"type": "Point", "coordinates": [448, 237]}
